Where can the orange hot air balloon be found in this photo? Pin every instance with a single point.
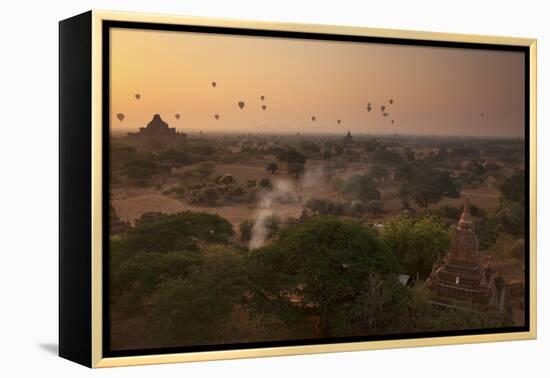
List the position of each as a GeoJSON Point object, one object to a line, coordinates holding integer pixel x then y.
{"type": "Point", "coordinates": [339, 121]}
{"type": "Point", "coordinates": [217, 116]}
{"type": "Point", "coordinates": [177, 115]}
{"type": "Point", "coordinates": [264, 107]}
{"type": "Point", "coordinates": [392, 121]}
{"type": "Point", "coordinates": [391, 101]}
{"type": "Point", "coordinates": [120, 116]}
{"type": "Point", "coordinates": [262, 97]}
{"type": "Point", "coordinates": [313, 118]}
{"type": "Point", "coordinates": [241, 104]}
{"type": "Point", "coordinates": [383, 107]}
{"type": "Point", "coordinates": [137, 96]}
{"type": "Point", "coordinates": [213, 84]}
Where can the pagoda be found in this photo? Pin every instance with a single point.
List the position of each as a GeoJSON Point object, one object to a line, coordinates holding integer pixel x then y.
{"type": "Point", "coordinates": [460, 278]}
{"type": "Point", "coordinates": [348, 139]}
{"type": "Point", "coordinates": [156, 134]}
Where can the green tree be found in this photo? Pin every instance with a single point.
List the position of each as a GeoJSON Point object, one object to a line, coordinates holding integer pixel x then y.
{"type": "Point", "coordinates": [379, 173]}
{"type": "Point", "coordinates": [272, 167]}
{"type": "Point", "coordinates": [206, 196]}
{"type": "Point", "coordinates": [320, 268]}
{"type": "Point", "coordinates": [416, 243]}
{"type": "Point", "coordinates": [512, 219]}
{"type": "Point", "coordinates": [296, 169]}
{"type": "Point", "coordinates": [176, 232]}
{"type": "Point", "coordinates": [512, 188]}
{"type": "Point", "coordinates": [141, 273]}
{"type": "Point", "coordinates": [198, 309]}
{"type": "Point", "coordinates": [375, 207]}
{"type": "Point", "coordinates": [429, 185]}
{"type": "Point", "coordinates": [245, 228]}
{"type": "Point", "coordinates": [141, 169]}
{"type": "Point", "coordinates": [205, 169]}
{"type": "Point", "coordinates": [265, 183]}
{"type": "Point", "coordinates": [362, 188]}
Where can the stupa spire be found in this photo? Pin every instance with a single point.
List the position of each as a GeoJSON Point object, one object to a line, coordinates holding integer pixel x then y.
{"type": "Point", "coordinates": [466, 218]}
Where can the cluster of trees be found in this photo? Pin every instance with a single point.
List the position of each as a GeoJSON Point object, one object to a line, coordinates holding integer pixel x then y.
{"type": "Point", "coordinates": [323, 206]}
{"type": "Point", "coordinates": [197, 284]}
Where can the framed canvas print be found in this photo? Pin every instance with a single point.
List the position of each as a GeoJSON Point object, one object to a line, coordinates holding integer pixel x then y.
{"type": "Point", "coordinates": [236, 189]}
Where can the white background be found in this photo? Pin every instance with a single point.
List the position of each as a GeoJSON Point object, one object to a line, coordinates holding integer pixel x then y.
{"type": "Point", "coordinates": [29, 189]}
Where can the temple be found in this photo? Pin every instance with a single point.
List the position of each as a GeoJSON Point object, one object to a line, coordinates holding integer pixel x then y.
{"type": "Point", "coordinates": [156, 134]}
{"type": "Point", "coordinates": [460, 278]}
{"type": "Point", "coordinates": [348, 139]}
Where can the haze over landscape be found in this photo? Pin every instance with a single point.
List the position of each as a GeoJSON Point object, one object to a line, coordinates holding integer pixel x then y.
{"type": "Point", "coordinates": [436, 91]}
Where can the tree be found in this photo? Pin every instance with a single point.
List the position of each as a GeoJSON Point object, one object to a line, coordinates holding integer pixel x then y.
{"type": "Point", "coordinates": [323, 206]}
{"type": "Point", "coordinates": [320, 268]}
{"type": "Point", "coordinates": [206, 196]}
{"type": "Point", "coordinates": [296, 169]}
{"type": "Point", "coordinates": [362, 188]}
{"type": "Point", "coordinates": [141, 169]}
{"type": "Point", "coordinates": [475, 168]}
{"type": "Point", "coordinates": [245, 229]}
{"type": "Point", "coordinates": [265, 183]}
{"type": "Point", "coordinates": [272, 167]}
{"type": "Point", "coordinates": [294, 157]}
{"type": "Point", "coordinates": [375, 207]}
{"type": "Point", "coordinates": [141, 273]}
{"type": "Point", "coordinates": [198, 309]}
{"type": "Point", "coordinates": [176, 232]}
{"type": "Point", "coordinates": [513, 188]}
{"type": "Point", "coordinates": [416, 243]}
{"type": "Point", "coordinates": [387, 157]}
{"type": "Point", "coordinates": [429, 185]}
{"type": "Point", "coordinates": [205, 169]}
{"type": "Point", "coordinates": [271, 224]}
{"type": "Point", "coordinates": [512, 219]}
{"type": "Point", "coordinates": [379, 173]}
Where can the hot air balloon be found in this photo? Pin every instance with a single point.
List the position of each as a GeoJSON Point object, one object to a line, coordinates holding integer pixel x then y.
{"type": "Point", "coordinates": [241, 104]}
{"type": "Point", "coordinates": [385, 114]}
{"type": "Point", "coordinates": [120, 116]}
{"type": "Point", "coordinates": [264, 107]}
{"type": "Point", "coordinates": [383, 107]}
{"type": "Point", "coordinates": [262, 98]}
{"type": "Point", "coordinates": [392, 121]}
{"type": "Point", "coordinates": [217, 116]}
{"type": "Point", "coordinates": [313, 118]}
{"type": "Point", "coordinates": [391, 101]}
{"type": "Point", "coordinates": [483, 114]}
{"type": "Point", "coordinates": [177, 115]}
{"type": "Point", "coordinates": [137, 96]}
{"type": "Point", "coordinates": [213, 84]}
{"type": "Point", "coordinates": [339, 121]}
{"type": "Point", "coordinates": [369, 108]}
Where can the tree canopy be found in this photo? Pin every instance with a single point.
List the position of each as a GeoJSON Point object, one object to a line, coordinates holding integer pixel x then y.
{"type": "Point", "coordinates": [320, 267]}
{"type": "Point", "coordinates": [416, 243]}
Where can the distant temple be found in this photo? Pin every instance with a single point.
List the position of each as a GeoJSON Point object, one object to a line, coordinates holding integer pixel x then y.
{"type": "Point", "coordinates": [460, 277]}
{"type": "Point", "coordinates": [348, 139]}
{"type": "Point", "coordinates": [156, 134]}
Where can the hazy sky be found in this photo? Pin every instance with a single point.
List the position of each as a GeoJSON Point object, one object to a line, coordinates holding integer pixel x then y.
{"type": "Point", "coordinates": [439, 91]}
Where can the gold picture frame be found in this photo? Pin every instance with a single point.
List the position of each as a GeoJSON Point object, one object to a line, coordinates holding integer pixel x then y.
{"type": "Point", "coordinates": [92, 26]}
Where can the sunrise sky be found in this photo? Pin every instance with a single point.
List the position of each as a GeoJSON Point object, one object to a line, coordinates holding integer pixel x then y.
{"type": "Point", "coordinates": [436, 91]}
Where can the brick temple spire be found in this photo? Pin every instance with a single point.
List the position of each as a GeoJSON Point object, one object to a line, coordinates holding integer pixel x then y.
{"type": "Point", "coordinates": [459, 277]}
{"type": "Point", "coordinates": [466, 218]}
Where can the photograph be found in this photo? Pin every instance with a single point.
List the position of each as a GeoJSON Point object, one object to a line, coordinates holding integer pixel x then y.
{"type": "Point", "coordinates": [280, 189]}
